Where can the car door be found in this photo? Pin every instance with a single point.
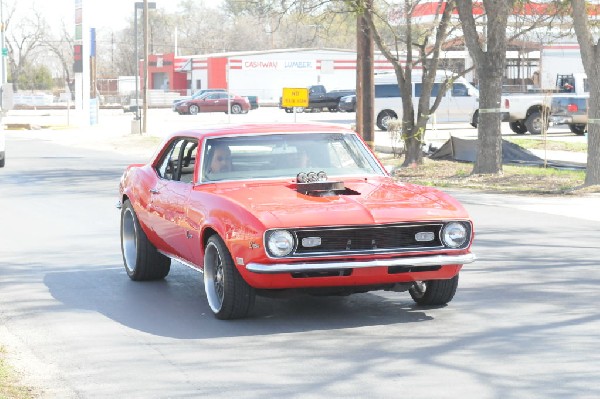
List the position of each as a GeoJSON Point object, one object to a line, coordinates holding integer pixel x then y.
{"type": "Point", "coordinates": [462, 103]}
{"type": "Point", "coordinates": [441, 113]}
{"type": "Point", "coordinates": [170, 195]}
{"type": "Point", "coordinates": [207, 102]}
{"type": "Point", "coordinates": [221, 103]}
{"type": "Point", "coordinates": [213, 102]}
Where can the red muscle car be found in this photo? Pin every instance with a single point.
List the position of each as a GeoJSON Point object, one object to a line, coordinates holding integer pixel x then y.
{"type": "Point", "coordinates": [263, 208]}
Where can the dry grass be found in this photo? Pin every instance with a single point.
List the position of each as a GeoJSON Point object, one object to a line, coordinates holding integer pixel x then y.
{"type": "Point", "coordinates": [514, 179]}
{"type": "Point", "coordinates": [9, 386]}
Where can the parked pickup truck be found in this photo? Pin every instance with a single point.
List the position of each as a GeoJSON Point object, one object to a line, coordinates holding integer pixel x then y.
{"type": "Point", "coordinates": [319, 98]}
{"type": "Point", "coordinates": [572, 111]}
{"type": "Point", "coordinates": [529, 112]}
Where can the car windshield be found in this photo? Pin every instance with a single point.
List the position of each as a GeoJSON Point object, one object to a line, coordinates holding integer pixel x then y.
{"type": "Point", "coordinates": [273, 156]}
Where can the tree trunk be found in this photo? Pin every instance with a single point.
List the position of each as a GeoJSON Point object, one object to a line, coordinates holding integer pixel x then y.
{"type": "Point", "coordinates": [592, 175]}
{"type": "Point", "coordinates": [590, 56]}
{"type": "Point", "coordinates": [489, 58]}
{"type": "Point", "coordinates": [489, 150]}
{"type": "Point", "coordinates": [414, 142]}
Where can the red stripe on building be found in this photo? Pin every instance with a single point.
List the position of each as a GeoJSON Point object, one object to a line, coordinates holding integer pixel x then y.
{"type": "Point", "coordinates": [529, 8]}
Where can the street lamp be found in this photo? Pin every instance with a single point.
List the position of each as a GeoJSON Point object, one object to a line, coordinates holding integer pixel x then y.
{"type": "Point", "coordinates": [138, 5]}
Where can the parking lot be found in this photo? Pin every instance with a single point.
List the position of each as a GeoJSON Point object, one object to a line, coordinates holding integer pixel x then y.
{"type": "Point", "coordinates": [161, 121]}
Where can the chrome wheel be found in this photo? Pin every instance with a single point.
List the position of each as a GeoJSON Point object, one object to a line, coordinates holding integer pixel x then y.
{"type": "Point", "coordinates": [129, 240]}
{"type": "Point", "coordinates": [194, 109]}
{"type": "Point", "coordinates": [228, 294]}
{"type": "Point", "coordinates": [141, 259]}
{"type": "Point", "coordinates": [236, 109]}
{"type": "Point", "coordinates": [214, 281]}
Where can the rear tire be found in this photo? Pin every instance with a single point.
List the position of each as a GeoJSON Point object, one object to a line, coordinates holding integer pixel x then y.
{"type": "Point", "coordinates": [228, 294]}
{"type": "Point", "coordinates": [141, 259]}
{"type": "Point", "coordinates": [236, 109]}
{"type": "Point", "coordinates": [475, 120]}
{"type": "Point", "coordinates": [434, 292]}
{"type": "Point", "coordinates": [518, 127]}
{"type": "Point", "coordinates": [194, 109]}
{"type": "Point", "coordinates": [578, 129]}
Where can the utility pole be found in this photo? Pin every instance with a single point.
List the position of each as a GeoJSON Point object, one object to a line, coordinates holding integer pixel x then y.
{"type": "Point", "coordinates": [145, 88]}
{"type": "Point", "coordinates": [365, 88]}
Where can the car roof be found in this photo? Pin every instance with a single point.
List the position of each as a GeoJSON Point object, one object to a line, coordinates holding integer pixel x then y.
{"type": "Point", "coordinates": [260, 128]}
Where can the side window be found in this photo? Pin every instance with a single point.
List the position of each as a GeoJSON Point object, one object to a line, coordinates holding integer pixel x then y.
{"type": "Point", "coordinates": [434, 91]}
{"type": "Point", "coordinates": [459, 90]}
{"type": "Point", "coordinates": [178, 162]}
{"type": "Point", "coordinates": [387, 90]}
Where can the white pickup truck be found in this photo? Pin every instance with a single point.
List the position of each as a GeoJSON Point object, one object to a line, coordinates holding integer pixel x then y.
{"type": "Point", "coordinates": [529, 112]}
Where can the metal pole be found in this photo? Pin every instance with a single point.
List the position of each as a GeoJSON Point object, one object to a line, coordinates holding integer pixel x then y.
{"type": "Point", "coordinates": [145, 88]}
{"type": "Point", "coordinates": [2, 40]}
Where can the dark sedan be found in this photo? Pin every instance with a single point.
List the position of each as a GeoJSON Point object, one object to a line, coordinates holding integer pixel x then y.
{"type": "Point", "coordinates": [347, 103]}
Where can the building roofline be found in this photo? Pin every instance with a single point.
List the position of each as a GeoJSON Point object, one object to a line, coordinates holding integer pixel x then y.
{"type": "Point", "coordinates": [231, 54]}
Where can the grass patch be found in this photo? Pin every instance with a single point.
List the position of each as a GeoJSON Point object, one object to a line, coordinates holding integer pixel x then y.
{"type": "Point", "coordinates": [550, 145]}
{"type": "Point", "coordinates": [9, 387]}
{"type": "Point", "coordinates": [514, 179]}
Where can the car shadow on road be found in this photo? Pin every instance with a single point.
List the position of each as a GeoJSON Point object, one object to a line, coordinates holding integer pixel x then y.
{"type": "Point", "coordinates": [176, 307]}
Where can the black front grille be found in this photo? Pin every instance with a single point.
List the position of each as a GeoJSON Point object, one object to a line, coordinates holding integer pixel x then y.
{"type": "Point", "coordinates": [361, 239]}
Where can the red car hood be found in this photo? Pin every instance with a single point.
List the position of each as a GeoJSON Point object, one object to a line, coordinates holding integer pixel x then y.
{"type": "Point", "coordinates": [379, 201]}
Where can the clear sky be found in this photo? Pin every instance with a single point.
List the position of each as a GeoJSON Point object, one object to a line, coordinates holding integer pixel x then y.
{"type": "Point", "coordinates": [112, 14]}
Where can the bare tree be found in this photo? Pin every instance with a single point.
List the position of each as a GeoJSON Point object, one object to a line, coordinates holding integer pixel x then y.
{"type": "Point", "coordinates": [62, 48]}
{"type": "Point", "coordinates": [24, 39]}
{"type": "Point", "coordinates": [590, 54]}
{"type": "Point", "coordinates": [415, 47]}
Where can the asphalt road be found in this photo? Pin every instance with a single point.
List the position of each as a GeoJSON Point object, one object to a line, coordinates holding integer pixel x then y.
{"type": "Point", "coordinates": [524, 324]}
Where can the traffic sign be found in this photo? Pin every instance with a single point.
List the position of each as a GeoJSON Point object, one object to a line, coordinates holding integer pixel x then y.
{"type": "Point", "coordinates": [294, 97]}
{"type": "Point", "coordinates": [4, 51]}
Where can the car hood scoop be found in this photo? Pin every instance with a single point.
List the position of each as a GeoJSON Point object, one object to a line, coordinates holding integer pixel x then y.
{"type": "Point", "coordinates": [324, 189]}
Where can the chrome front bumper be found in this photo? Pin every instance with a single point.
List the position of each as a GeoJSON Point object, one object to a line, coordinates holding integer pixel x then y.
{"type": "Point", "coordinates": [437, 260]}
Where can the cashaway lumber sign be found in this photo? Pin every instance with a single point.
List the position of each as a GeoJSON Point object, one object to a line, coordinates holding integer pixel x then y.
{"type": "Point", "coordinates": [294, 97]}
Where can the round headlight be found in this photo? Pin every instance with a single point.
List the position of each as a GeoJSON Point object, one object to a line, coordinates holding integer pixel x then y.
{"type": "Point", "coordinates": [454, 234]}
{"type": "Point", "coordinates": [280, 243]}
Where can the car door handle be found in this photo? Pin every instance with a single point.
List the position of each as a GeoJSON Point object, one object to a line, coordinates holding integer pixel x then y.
{"type": "Point", "coordinates": [154, 191]}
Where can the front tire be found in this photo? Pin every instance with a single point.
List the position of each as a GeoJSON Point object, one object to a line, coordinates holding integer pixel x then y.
{"type": "Point", "coordinates": [228, 295]}
{"type": "Point", "coordinates": [434, 292]}
{"type": "Point", "coordinates": [535, 122]}
{"type": "Point", "coordinates": [384, 118]}
{"type": "Point", "coordinates": [518, 127]}
{"type": "Point", "coordinates": [141, 259]}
